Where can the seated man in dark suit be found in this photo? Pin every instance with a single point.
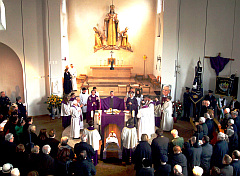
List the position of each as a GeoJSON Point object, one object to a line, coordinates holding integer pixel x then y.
{"type": "Point", "coordinates": [83, 166]}
{"type": "Point", "coordinates": [83, 145]}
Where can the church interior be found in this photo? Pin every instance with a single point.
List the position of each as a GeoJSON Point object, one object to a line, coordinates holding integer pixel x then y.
{"type": "Point", "coordinates": [154, 43]}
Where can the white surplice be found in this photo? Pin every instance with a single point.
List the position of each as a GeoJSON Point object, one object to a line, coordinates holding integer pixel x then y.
{"type": "Point", "coordinates": [167, 120]}
{"type": "Point", "coordinates": [73, 72]}
{"type": "Point", "coordinates": [139, 100]}
{"type": "Point", "coordinates": [76, 123]}
{"type": "Point", "coordinates": [93, 138]}
{"type": "Point", "coordinates": [83, 100]}
{"type": "Point", "coordinates": [146, 123]}
{"type": "Point", "coordinates": [65, 109]}
{"type": "Point", "coordinates": [129, 137]}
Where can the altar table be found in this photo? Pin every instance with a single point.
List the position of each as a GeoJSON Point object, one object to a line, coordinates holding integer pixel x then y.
{"type": "Point", "coordinates": [104, 71]}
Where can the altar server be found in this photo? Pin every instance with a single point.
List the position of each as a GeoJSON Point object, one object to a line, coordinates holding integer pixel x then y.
{"type": "Point", "coordinates": [167, 121]}
{"type": "Point", "coordinates": [92, 105]}
{"type": "Point", "coordinates": [93, 138]}
{"type": "Point", "coordinates": [139, 98]}
{"type": "Point", "coordinates": [146, 123]}
{"type": "Point", "coordinates": [73, 73]}
{"type": "Point", "coordinates": [65, 112]}
{"type": "Point", "coordinates": [76, 122]}
{"type": "Point", "coordinates": [83, 98]}
{"type": "Point", "coordinates": [96, 92]}
{"type": "Point", "coordinates": [129, 138]}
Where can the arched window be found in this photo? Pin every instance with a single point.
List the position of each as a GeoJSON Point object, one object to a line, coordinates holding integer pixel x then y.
{"type": "Point", "coordinates": [2, 16]}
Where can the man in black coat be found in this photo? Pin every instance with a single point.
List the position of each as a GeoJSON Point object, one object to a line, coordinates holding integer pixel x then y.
{"type": "Point", "coordinates": [236, 163]}
{"type": "Point", "coordinates": [219, 150]}
{"type": "Point", "coordinates": [4, 105]}
{"type": "Point", "coordinates": [83, 145]}
{"type": "Point", "coordinates": [46, 165]}
{"type": "Point", "coordinates": [159, 147]}
{"type": "Point", "coordinates": [210, 124]}
{"type": "Point", "coordinates": [143, 150]}
{"type": "Point", "coordinates": [180, 159]}
{"type": "Point", "coordinates": [195, 153]}
{"type": "Point", "coordinates": [236, 119]}
{"type": "Point", "coordinates": [207, 151]}
{"type": "Point", "coordinates": [21, 108]}
{"type": "Point", "coordinates": [7, 149]}
{"type": "Point", "coordinates": [164, 169]}
{"type": "Point", "coordinates": [53, 143]}
{"type": "Point", "coordinates": [83, 166]}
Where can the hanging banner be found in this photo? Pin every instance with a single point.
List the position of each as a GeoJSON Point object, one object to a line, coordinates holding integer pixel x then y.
{"type": "Point", "coordinates": [227, 86]}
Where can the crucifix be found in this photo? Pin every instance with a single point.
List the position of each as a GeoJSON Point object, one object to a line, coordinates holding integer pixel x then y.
{"type": "Point", "coordinates": [112, 61]}
{"type": "Point", "coordinates": [218, 63]}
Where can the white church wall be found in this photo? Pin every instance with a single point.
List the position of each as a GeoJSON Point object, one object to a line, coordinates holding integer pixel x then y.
{"type": "Point", "coordinates": [36, 76]}
{"type": "Point", "coordinates": [169, 51]}
{"type": "Point", "coordinates": [191, 41]}
{"type": "Point", "coordinates": [137, 15]}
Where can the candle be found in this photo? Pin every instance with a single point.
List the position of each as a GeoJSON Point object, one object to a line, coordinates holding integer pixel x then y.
{"type": "Point", "coordinates": [133, 113]}
{"type": "Point", "coordinates": [122, 61]}
{"type": "Point", "coordinates": [91, 113]}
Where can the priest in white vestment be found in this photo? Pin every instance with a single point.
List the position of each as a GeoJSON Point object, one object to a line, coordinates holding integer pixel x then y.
{"type": "Point", "coordinates": [167, 120]}
{"type": "Point", "coordinates": [129, 140]}
{"type": "Point", "coordinates": [76, 123]}
{"type": "Point", "coordinates": [146, 123]}
{"type": "Point", "coordinates": [93, 138]}
{"type": "Point", "coordinates": [83, 101]}
{"type": "Point", "coordinates": [73, 72]}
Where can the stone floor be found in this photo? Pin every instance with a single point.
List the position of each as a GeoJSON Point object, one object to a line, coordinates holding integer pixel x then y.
{"type": "Point", "coordinates": [106, 169]}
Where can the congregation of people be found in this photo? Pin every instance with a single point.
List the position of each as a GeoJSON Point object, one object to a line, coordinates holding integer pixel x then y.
{"type": "Point", "coordinates": [212, 150]}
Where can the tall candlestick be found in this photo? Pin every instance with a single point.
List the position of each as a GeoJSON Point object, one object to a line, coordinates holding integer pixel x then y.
{"type": "Point", "coordinates": [133, 113]}
{"type": "Point", "coordinates": [92, 113]}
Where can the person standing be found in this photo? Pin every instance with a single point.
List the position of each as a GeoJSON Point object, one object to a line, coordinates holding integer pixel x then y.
{"type": "Point", "coordinates": [92, 105]}
{"type": "Point", "coordinates": [210, 97]}
{"type": "Point", "coordinates": [93, 138]}
{"type": "Point", "coordinates": [132, 105]}
{"type": "Point", "coordinates": [65, 112]}
{"type": "Point", "coordinates": [76, 124]}
{"type": "Point", "coordinates": [22, 112]}
{"type": "Point", "coordinates": [206, 155]}
{"type": "Point", "coordinates": [186, 104]}
{"type": "Point", "coordinates": [83, 100]}
{"type": "Point", "coordinates": [73, 73]}
{"type": "Point", "coordinates": [4, 105]}
{"type": "Point", "coordinates": [67, 84]}
{"type": "Point", "coordinates": [167, 121]}
{"type": "Point", "coordinates": [221, 105]}
{"type": "Point", "coordinates": [159, 147]}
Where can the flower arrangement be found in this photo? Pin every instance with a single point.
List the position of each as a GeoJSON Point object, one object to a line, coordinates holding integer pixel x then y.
{"type": "Point", "coordinates": [53, 101]}
{"type": "Point", "coordinates": [178, 107]}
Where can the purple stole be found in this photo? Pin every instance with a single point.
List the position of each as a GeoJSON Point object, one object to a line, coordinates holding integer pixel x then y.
{"type": "Point", "coordinates": [91, 128]}
{"type": "Point", "coordinates": [72, 99]}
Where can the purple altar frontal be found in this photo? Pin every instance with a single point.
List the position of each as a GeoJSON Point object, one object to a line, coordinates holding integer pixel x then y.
{"type": "Point", "coordinates": [118, 119]}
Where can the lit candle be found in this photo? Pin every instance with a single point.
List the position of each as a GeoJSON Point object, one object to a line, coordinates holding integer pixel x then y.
{"type": "Point", "coordinates": [91, 113]}
{"type": "Point", "coordinates": [122, 61]}
{"type": "Point", "coordinates": [133, 113]}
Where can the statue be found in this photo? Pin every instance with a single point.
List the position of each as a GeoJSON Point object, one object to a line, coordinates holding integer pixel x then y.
{"type": "Point", "coordinates": [124, 43]}
{"type": "Point", "coordinates": [111, 26]}
{"type": "Point", "coordinates": [98, 39]}
{"type": "Point", "coordinates": [109, 38]}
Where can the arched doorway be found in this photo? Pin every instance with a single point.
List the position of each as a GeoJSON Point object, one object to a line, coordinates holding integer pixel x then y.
{"type": "Point", "coordinates": [11, 74]}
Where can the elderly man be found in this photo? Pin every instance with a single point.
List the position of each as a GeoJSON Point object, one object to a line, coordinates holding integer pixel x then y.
{"type": "Point", "coordinates": [46, 167]}
{"type": "Point", "coordinates": [219, 150]}
{"type": "Point", "coordinates": [129, 138]}
{"type": "Point", "coordinates": [4, 105]}
{"type": "Point", "coordinates": [143, 150]}
{"type": "Point", "coordinates": [8, 149]}
{"type": "Point", "coordinates": [206, 155]}
{"type": "Point", "coordinates": [197, 171]}
{"type": "Point", "coordinates": [236, 119]}
{"type": "Point", "coordinates": [176, 139]}
{"type": "Point", "coordinates": [165, 92]}
{"type": "Point", "coordinates": [177, 170]}
{"type": "Point", "coordinates": [204, 125]}
{"type": "Point", "coordinates": [159, 147]}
